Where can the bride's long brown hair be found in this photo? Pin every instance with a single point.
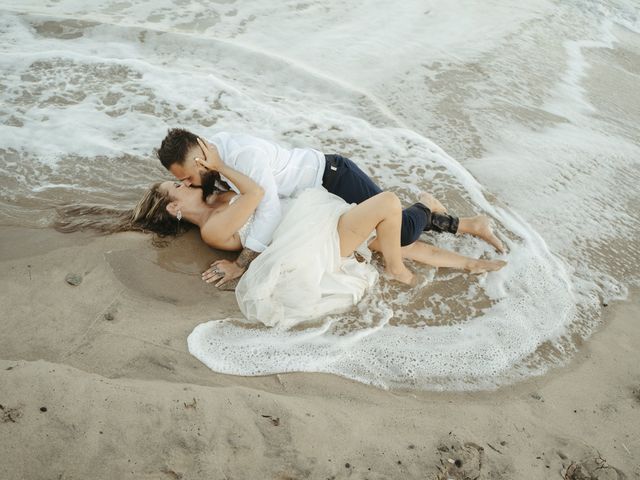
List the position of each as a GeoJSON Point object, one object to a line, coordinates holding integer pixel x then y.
{"type": "Point", "coordinates": [149, 215]}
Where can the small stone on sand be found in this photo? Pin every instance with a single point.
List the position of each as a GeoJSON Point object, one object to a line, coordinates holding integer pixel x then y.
{"type": "Point", "coordinates": [73, 279]}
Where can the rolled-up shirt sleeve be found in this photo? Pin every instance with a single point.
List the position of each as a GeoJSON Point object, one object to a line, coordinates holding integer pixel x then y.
{"type": "Point", "coordinates": [251, 162]}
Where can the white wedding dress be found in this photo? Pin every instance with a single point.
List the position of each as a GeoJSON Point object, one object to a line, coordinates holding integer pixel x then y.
{"type": "Point", "coordinates": [301, 275]}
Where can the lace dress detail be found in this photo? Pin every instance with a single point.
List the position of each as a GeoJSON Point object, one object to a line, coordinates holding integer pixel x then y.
{"type": "Point", "coordinates": [244, 230]}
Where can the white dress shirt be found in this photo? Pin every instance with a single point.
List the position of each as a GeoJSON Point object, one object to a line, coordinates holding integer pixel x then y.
{"type": "Point", "coordinates": [279, 171]}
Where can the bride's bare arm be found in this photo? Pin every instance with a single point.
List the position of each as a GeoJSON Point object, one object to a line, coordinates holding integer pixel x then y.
{"type": "Point", "coordinates": [221, 229]}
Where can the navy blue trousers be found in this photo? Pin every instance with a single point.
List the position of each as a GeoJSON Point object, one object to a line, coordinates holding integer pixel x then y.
{"type": "Point", "coordinates": [343, 178]}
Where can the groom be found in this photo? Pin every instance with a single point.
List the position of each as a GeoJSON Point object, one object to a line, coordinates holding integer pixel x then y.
{"type": "Point", "coordinates": [281, 172]}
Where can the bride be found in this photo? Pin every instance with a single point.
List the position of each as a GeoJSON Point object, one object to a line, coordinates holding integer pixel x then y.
{"type": "Point", "coordinates": [309, 269]}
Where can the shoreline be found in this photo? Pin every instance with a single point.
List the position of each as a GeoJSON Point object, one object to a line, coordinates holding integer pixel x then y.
{"type": "Point", "coordinates": [124, 399]}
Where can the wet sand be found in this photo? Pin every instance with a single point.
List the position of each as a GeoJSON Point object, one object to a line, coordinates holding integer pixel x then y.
{"type": "Point", "coordinates": [96, 382]}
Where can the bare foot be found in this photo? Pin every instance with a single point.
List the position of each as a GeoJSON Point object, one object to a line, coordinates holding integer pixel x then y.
{"type": "Point", "coordinates": [482, 266]}
{"type": "Point", "coordinates": [481, 227]}
{"type": "Point", "coordinates": [432, 202]}
{"type": "Point", "coordinates": [405, 276]}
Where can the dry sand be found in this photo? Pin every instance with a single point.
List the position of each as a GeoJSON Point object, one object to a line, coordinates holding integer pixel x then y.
{"type": "Point", "coordinates": [96, 383]}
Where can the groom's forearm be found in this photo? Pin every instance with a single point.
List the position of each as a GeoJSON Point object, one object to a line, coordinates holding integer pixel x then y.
{"type": "Point", "coordinates": [246, 257]}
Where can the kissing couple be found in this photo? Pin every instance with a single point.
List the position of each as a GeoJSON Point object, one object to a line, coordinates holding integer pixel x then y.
{"type": "Point", "coordinates": [305, 224]}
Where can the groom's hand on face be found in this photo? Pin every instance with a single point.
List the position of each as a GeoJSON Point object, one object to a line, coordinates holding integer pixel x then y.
{"type": "Point", "coordinates": [211, 161]}
{"type": "Point", "coordinates": [222, 271]}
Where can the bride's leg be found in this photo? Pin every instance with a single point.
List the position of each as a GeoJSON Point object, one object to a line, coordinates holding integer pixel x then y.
{"type": "Point", "coordinates": [439, 257]}
{"type": "Point", "coordinates": [383, 213]}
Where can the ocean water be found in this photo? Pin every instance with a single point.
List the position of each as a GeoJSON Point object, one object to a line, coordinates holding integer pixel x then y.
{"type": "Point", "coordinates": [527, 113]}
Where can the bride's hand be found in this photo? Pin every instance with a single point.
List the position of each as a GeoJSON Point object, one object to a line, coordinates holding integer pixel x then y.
{"type": "Point", "coordinates": [212, 160]}
{"type": "Point", "coordinates": [222, 271]}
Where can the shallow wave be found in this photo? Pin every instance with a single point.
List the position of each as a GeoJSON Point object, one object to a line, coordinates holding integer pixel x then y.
{"type": "Point", "coordinates": [87, 95]}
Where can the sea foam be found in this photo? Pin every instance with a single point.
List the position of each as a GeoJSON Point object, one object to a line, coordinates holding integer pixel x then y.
{"type": "Point", "coordinates": [88, 93]}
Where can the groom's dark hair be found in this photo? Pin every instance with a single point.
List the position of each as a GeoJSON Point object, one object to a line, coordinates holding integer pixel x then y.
{"type": "Point", "coordinates": [175, 146]}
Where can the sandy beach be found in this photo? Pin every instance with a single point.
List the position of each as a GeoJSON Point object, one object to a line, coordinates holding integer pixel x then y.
{"type": "Point", "coordinates": [96, 382]}
{"type": "Point", "coordinates": [528, 114]}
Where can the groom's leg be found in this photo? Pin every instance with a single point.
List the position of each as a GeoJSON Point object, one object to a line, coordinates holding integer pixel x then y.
{"type": "Point", "coordinates": [344, 178]}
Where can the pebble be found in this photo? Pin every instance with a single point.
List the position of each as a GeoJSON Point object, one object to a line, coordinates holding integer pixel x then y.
{"type": "Point", "coordinates": [73, 279]}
